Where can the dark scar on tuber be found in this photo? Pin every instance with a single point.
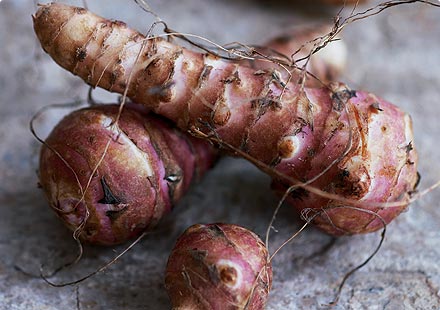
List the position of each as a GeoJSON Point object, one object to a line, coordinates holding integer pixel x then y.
{"type": "Point", "coordinates": [108, 198]}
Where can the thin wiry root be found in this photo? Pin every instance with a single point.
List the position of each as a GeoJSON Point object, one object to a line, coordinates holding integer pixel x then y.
{"type": "Point", "coordinates": [365, 262]}
{"type": "Point", "coordinates": [309, 219]}
{"type": "Point", "coordinates": [45, 277]}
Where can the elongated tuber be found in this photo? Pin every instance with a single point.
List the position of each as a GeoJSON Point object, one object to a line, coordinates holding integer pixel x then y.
{"type": "Point", "coordinates": [347, 143]}
{"type": "Point", "coordinates": [147, 167]}
{"type": "Point", "coordinates": [218, 267]}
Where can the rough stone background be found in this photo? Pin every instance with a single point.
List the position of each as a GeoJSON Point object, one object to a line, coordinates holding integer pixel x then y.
{"type": "Point", "coordinates": [396, 55]}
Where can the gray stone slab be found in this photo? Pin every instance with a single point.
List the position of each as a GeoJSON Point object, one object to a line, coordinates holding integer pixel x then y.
{"type": "Point", "coordinates": [396, 55]}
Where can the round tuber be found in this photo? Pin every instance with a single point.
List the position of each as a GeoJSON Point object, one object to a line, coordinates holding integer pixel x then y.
{"type": "Point", "coordinates": [218, 267]}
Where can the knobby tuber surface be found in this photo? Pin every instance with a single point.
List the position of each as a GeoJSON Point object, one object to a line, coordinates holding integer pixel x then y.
{"type": "Point", "coordinates": [147, 167]}
{"type": "Point", "coordinates": [218, 266]}
{"type": "Point", "coordinates": [347, 143]}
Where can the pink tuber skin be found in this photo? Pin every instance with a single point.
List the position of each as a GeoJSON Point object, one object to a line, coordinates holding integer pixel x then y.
{"type": "Point", "coordinates": [147, 168]}
{"type": "Point", "coordinates": [218, 267]}
{"type": "Point", "coordinates": [353, 146]}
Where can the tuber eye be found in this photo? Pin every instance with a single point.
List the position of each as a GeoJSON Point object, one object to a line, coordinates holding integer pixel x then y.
{"type": "Point", "coordinates": [230, 273]}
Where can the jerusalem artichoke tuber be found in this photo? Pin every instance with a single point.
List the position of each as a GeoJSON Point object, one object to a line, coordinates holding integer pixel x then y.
{"type": "Point", "coordinates": [347, 143]}
{"type": "Point", "coordinates": [147, 167]}
{"type": "Point", "coordinates": [218, 266]}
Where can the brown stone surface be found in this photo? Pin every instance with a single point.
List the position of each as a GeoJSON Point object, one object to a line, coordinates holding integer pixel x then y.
{"type": "Point", "coordinates": [395, 55]}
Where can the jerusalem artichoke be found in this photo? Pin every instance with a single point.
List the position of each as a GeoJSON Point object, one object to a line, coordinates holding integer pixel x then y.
{"type": "Point", "coordinates": [218, 266]}
{"type": "Point", "coordinates": [147, 167]}
{"type": "Point", "coordinates": [347, 143]}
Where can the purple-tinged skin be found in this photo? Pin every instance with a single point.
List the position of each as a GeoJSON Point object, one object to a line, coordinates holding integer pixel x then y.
{"type": "Point", "coordinates": [148, 167]}
{"type": "Point", "coordinates": [218, 267]}
{"type": "Point", "coordinates": [379, 167]}
{"type": "Point", "coordinates": [299, 132]}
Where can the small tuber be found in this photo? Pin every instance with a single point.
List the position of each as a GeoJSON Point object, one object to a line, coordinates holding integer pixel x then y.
{"type": "Point", "coordinates": [218, 267]}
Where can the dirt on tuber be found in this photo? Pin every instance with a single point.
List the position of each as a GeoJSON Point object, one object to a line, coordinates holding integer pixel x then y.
{"type": "Point", "coordinates": [353, 147]}
{"type": "Point", "coordinates": [143, 167]}
{"type": "Point", "coordinates": [218, 267]}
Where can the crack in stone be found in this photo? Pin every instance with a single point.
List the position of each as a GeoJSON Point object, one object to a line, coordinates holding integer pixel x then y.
{"type": "Point", "coordinates": [78, 301]}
